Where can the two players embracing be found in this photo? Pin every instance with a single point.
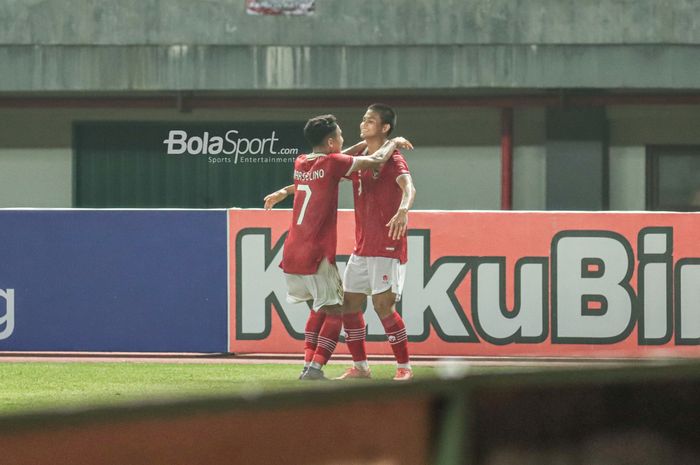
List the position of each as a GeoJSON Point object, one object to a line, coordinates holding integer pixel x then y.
{"type": "Point", "coordinates": [383, 193]}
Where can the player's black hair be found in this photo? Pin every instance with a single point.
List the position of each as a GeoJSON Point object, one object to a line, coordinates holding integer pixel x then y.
{"type": "Point", "coordinates": [386, 114]}
{"type": "Point", "coordinates": [318, 128]}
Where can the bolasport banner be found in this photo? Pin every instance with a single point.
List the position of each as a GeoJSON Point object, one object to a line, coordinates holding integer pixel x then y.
{"type": "Point", "coordinates": [497, 284]}
{"type": "Point", "coordinates": [184, 164]}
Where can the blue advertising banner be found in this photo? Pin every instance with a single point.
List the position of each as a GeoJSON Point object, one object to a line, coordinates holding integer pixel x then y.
{"type": "Point", "coordinates": [113, 280]}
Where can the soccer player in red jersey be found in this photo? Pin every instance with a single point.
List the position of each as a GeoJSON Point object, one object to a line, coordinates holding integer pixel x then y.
{"type": "Point", "coordinates": [308, 258]}
{"type": "Point", "coordinates": [377, 267]}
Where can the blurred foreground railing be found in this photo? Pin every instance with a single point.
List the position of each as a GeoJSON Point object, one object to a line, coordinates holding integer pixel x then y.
{"type": "Point", "coordinates": [647, 414]}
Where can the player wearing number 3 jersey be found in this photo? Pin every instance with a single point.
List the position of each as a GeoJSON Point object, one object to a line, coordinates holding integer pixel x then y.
{"type": "Point", "coordinates": [308, 258]}
{"type": "Point", "coordinates": [377, 266]}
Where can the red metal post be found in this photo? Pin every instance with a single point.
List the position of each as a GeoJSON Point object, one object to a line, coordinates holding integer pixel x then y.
{"type": "Point", "coordinates": [507, 159]}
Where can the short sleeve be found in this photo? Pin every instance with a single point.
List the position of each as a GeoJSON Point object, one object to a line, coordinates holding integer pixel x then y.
{"type": "Point", "coordinates": [341, 164]}
{"type": "Point", "coordinates": [297, 163]}
{"type": "Point", "coordinates": [398, 165]}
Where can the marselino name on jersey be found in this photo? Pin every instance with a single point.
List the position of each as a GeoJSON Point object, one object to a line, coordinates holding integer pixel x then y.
{"type": "Point", "coordinates": [308, 175]}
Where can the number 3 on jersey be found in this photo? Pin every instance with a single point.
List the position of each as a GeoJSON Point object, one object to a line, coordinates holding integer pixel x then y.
{"type": "Point", "coordinates": [307, 191]}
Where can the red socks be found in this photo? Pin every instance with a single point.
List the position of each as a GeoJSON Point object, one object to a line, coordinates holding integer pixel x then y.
{"type": "Point", "coordinates": [395, 330]}
{"type": "Point", "coordinates": [328, 338]}
{"type": "Point", "coordinates": [356, 330]}
{"type": "Point", "coordinates": [354, 324]}
{"type": "Point", "coordinates": [313, 326]}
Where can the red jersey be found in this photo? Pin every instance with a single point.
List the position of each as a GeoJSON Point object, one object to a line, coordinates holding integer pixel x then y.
{"type": "Point", "coordinates": [313, 233]}
{"type": "Point", "coordinates": [377, 198]}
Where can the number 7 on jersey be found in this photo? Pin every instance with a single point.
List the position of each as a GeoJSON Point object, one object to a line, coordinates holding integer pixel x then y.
{"type": "Point", "coordinates": [307, 191]}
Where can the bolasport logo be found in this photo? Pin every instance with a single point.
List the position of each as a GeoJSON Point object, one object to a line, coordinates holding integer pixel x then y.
{"type": "Point", "coordinates": [231, 148]}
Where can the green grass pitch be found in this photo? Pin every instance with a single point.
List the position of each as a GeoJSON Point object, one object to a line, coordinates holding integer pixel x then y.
{"type": "Point", "coordinates": [33, 386]}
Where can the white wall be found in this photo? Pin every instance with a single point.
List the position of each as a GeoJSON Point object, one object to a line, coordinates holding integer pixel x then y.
{"type": "Point", "coordinates": [39, 177]}
{"type": "Point", "coordinates": [627, 178]}
{"type": "Point", "coordinates": [456, 178]}
{"type": "Point", "coordinates": [632, 128]}
{"type": "Point", "coordinates": [529, 178]}
{"type": "Point", "coordinates": [469, 178]}
{"type": "Point", "coordinates": [450, 178]}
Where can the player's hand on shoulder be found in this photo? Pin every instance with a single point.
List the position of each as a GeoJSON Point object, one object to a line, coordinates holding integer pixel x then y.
{"type": "Point", "coordinates": [402, 143]}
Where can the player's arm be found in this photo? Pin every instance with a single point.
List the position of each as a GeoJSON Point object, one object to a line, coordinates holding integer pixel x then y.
{"type": "Point", "coordinates": [276, 197]}
{"type": "Point", "coordinates": [381, 155]}
{"type": "Point", "coordinates": [355, 149]}
{"type": "Point", "coordinates": [399, 222]}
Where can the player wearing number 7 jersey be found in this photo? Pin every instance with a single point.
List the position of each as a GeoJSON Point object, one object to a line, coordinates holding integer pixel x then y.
{"type": "Point", "coordinates": [308, 258]}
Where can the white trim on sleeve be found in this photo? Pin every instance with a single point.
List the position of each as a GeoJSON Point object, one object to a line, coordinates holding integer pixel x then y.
{"type": "Point", "coordinates": [352, 167]}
